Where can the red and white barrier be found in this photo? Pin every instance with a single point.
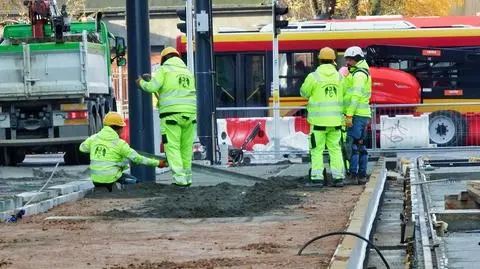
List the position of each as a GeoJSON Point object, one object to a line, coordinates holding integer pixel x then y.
{"type": "Point", "coordinates": [293, 132]}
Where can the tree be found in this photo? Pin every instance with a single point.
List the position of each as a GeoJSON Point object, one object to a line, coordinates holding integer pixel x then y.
{"type": "Point", "coordinates": [327, 9]}
{"type": "Point", "coordinates": [310, 9]}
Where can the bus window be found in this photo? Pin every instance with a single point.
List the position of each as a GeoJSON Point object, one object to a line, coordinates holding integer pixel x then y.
{"type": "Point", "coordinates": [225, 80]}
{"type": "Point", "coordinates": [294, 68]}
{"type": "Point", "coordinates": [255, 94]}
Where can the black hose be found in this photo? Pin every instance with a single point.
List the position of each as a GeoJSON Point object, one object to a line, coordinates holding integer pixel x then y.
{"type": "Point", "coordinates": [346, 233]}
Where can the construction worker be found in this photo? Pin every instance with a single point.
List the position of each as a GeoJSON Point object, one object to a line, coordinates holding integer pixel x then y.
{"type": "Point", "coordinates": [109, 154]}
{"type": "Point", "coordinates": [174, 86]}
{"type": "Point", "coordinates": [324, 92]}
{"type": "Point", "coordinates": [358, 88]}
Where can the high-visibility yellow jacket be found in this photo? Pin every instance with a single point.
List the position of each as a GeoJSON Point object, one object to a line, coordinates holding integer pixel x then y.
{"type": "Point", "coordinates": [109, 156]}
{"type": "Point", "coordinates": [358, 90]}
{"type": "Point", "coordinates": [324, 92]}
{"type": "Point", "coordinates": [174, 86]}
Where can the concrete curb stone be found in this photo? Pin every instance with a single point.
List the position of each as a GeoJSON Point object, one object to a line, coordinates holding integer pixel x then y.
{"type": "Point", "coordinates": [46, 199]}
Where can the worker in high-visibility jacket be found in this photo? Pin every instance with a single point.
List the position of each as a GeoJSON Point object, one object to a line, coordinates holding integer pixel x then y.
{"type": "Point", "coordinates": [109, 154]}
{"type": "Point", "coordinates": [174, 86]}
{"type": "Point", "coordinates": [324, 92]}
{"type": "Point", "coordinates": [358, 90]}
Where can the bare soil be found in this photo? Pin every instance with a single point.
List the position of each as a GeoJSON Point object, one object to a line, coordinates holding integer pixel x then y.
{"type": "Point", "coordinates": [143, 231]}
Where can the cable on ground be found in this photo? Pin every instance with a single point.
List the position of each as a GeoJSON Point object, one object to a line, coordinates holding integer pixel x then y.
{"type": "Point", "coordinates": [346, 233]}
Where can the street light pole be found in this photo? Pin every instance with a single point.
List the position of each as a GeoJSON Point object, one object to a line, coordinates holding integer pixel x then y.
{"type": "Point", "coordinates": [190, 29]}
{"type": "Point", "coordinates": [204, 76]}
{"type": "Point", "coordinates": [139, 102]}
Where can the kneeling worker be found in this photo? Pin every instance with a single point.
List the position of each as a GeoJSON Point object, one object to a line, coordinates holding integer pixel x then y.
{"type": "Point", "coordinates": [324, 92]}
{"type": "Point", "coordinates": [109, 154]}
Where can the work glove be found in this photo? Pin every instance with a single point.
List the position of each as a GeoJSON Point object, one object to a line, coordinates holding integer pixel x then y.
{"type": "Point", "coordinates": [162, 164]}
{"type": "Point", "coordinates": [348, 121]}
{"type": "Point", "coordinates": [147, 77]}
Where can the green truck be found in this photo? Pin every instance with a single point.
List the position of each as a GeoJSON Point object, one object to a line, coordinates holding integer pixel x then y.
{"type": "Point", "coordinates": [55, 87]}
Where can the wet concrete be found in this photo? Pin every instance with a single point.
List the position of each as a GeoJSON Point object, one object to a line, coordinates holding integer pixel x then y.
{"type": "Point", "coordinates": [221, 200]}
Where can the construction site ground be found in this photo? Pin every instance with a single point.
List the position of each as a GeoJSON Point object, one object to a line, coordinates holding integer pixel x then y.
{"type": "Point", "coordinates": [227, 221]}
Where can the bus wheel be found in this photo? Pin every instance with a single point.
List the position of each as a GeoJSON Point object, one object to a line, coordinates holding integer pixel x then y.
{"type": "Point", "coordinates": [447, 128]}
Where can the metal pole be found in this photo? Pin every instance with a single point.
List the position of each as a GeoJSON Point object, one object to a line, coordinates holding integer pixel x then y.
{"type": "Point", "coordinates": [190, 29]}
{"type": "Point", "coordinates": [204, 74]}
{"type": "Point", "coordinates": [140, 103]}
{"type": "Point", "coordinates": [120, 89]}
{"type": "Point", "coordinates": [374, 127]}
{"type": "Point", "coordinates": [275, 86]}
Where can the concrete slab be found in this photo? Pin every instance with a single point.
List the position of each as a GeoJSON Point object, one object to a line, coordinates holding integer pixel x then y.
{"type": "Point", "coordinates": [34, 196]}
{"type": "Point", "coordinates": [12, 203]}
{"type": "Point", "coordinates": [65, 188]}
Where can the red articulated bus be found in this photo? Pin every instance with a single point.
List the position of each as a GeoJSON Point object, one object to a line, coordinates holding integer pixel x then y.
{"type": "Point", "coordinates": [417, 68]}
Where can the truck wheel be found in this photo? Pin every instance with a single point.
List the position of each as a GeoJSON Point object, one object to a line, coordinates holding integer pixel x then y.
{"type": "Point", "coordinates": [447, 128]}
{"type": "Point", "coordinates": [99, 122]}
{"type": "Point", "coordinates": [92, 127]}
{"type": "Point", "coordinates": [18, 156]}
{"type": "Point", "coordinates": [4, 158]}
{"type": "Point", "coordinates": [11, 156]}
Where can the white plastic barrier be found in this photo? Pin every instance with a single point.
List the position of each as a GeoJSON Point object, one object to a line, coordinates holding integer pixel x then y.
{"type": "Point", "coordinates": [285, 127]}
{"type": "Point", "coordinates": [222, 128]}
{"type": "Point", "coordinates": [404, 131]}
{"type": "Point", "coordinates": [290, 139]}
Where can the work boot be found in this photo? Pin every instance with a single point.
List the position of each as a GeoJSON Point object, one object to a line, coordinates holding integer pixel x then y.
{"type": "Point", "coordinates": [181, 185]}
{"type": "Point", "coordinates": [338, 183]}
{"type": "Point", "coordinates": [351, 179]}
{"type": "Point", "coordinates": [362, 180]}
{"type": "Point", "coordinates": [315, 183]}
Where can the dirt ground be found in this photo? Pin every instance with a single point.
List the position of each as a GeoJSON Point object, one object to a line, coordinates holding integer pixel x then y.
{"type": "Point", "coordinates": [155, 226]}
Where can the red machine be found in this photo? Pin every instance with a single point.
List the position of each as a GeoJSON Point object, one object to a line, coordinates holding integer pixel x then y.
{"type": "Point", "coordinates": [39, 14]}
{"type": "Point", "coordinates": [42, 12]}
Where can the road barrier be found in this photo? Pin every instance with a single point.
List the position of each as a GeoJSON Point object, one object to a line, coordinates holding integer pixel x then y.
{"type": "Point", "coordinates": [392, 128]}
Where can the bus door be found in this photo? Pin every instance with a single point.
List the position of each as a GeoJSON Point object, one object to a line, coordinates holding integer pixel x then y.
{"type": "Point", "coordinates": [240, 82]}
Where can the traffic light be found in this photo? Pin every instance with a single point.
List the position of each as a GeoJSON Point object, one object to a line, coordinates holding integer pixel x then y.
{"type": "Point", "coordinates": [278, 12]}
{"type": "Point", "coordinates": [182, 15]}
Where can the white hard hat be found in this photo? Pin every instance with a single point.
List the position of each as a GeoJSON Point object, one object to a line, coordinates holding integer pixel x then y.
{"type": "Point", "coordinates": [354, 51]}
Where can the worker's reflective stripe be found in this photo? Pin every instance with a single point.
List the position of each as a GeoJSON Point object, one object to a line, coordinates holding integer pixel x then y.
{"type": "Point", "coordinates": [169, 68]}
{"type": "Point", "coordinates": [317, 77]}
{"type": "Point", "coordinates": [324, 104]}
{"type": "Point", "coordinates": [178, 102]}
{"type": "Point", "coordinates": [105, 163]}
{"type": "Point", "coordinates": [134, 155]}
{"type": "Point", "coordinates": [325, 114]}
{"type": "Point", "coordinates": [317, 174]}
{"type": "Point", "coordinates": [177, 93]}
{"type": "Point", "coordinates": [337, 174]}
{"type": "Point", "coordinates": [101, 172]}
{"type": "Point", "coordinates": [146, 161]}
{"type": "Point", "coordinates": [355, 90]}
{"type": "Point", "coordinates": [83, 148]}
{"type": "Point", "coordinates": [155, 83]}
{"type": "Point", "coordinates": [348, 103]}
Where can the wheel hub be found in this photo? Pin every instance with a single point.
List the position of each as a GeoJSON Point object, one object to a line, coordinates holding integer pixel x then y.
{"type": "Point", "coordinates": [442, 130]}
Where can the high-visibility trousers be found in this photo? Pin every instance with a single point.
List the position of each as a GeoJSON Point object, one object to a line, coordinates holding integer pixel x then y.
{"type": "Point", "coordinates": [319, 138]}
{"type": "Point", "coordinates": [178, 131]}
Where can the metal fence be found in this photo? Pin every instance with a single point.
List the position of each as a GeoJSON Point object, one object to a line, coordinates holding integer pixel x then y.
{"type": "Point", "coordinates": [394, 127]}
